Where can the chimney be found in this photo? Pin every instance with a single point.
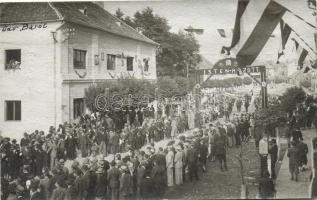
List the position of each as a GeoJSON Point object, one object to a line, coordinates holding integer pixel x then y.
{"type": "Point", "coordinates": [99, 3]}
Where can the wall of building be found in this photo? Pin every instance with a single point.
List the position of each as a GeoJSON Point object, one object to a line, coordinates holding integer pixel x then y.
{"type": "Point", "coordinates": [32, 84]}
{"type": "Point", "coordinates": [47, 83]}
{"type": "Point", "coordinates": [95, 42]}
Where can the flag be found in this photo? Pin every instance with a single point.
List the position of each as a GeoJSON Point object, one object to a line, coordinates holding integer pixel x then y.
{"type": "Point", "coordinates": [254, 24]}
{"type": "Point", "coordinates": [242, 4]}
{"type": "Point", "coordinates": [285, 33]}
{"type": "Point", "coordinates": [258, 21]}
{"type": "Point", "coordinates": [302, 53]}
{"type": "Point", "coordinates": [222, 32]}
{"type": "Point", "coordinates": [225, 50]}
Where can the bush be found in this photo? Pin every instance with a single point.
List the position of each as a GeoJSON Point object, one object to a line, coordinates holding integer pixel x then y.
{"type": "Point", "coordinates": [121, 88]}
{"type": "Point", "coordinates": [291, 98]}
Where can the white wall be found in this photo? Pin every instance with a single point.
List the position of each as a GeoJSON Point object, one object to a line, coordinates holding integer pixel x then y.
{"type": "Point", "coordinates": [33, 84]}
{"type": "Point", "coordinates": [95, 43]}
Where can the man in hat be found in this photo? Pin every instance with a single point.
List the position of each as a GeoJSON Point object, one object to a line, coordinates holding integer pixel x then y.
{"type": "Point", "coordinates": [273, 150]}
{"type": "Point", "coordinates": [221, 151]}
{"type": "Point", "coordinates": [113, 180]}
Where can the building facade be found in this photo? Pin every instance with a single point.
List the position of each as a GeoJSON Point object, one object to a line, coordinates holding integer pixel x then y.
{"type": "Point", "coordinates": [51, 52]}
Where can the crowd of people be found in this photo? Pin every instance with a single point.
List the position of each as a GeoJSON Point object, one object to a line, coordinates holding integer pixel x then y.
{"type": "Point", "coordinates": [35, 167]}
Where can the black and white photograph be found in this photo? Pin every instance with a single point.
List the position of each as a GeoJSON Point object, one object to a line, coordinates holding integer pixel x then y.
{"type": "Point", "coordinates": [158, 99]}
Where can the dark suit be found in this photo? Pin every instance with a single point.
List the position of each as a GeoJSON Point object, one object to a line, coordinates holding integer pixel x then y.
{"type": "Point", "coordinates": [273, 152]}
{"type": "Point", "coordinates": [125, 186]}
{"type": "Point", "coordinates": [192, 158]}
{"type": "Point", "coordinates": [113, 180]}
{"type": "Point", "coordinates": [140, 179]}
{"type": "Point", "coordinates": [79, 187]}
{"type": "Point", "coordinates": [101, 185]}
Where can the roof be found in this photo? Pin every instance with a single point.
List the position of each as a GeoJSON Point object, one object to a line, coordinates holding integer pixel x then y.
{"type": "Point", "coordinates": [204, 64]}
{"type": "Point", "coordinates": [96, 17]}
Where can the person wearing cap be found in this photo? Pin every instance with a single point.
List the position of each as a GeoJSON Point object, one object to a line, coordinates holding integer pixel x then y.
{"type": "Point", "coordinates": [113, 176]}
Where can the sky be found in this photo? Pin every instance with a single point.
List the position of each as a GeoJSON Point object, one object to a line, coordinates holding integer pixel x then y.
{"type": "Point", "coordinates": [209, 15]}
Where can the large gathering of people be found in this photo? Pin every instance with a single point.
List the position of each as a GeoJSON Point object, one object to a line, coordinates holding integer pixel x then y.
{"type": "Point", "coordinates": [72, 160]}
{"type": "Point", "coordinates": [116, 155]}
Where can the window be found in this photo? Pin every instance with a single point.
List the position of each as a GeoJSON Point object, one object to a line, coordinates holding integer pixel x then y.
{"type": "Point", "coordinates": [78, 107]}
{"type": "Point", "coordinates": [13, 110]}
{"type": "Point", "coordinates": [79, 59]}
{"type": "Point", "coordinates": [96, 59]}
{"type": "Point", "coordinates": [130, 63]}
{"type": "Point", "coordinates": [12, 59]}
{"type": "Point", "coordinates": [146, 64]}
{"type": "Point", "coordinates": [102, 56]}
{"type": "Point", "coordinates": [111, 62]}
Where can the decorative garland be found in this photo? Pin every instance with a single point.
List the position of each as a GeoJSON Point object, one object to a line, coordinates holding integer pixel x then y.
{"type": "Point", "coordinates": [81, 76]}
{"type": "Point", "coordinates": [112, 76]}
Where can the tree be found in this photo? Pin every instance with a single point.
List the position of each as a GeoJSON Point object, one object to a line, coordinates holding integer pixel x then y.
{"type": "Point", "coordinates": [291, 98]}
{"type": "Point", "coordinates": [176, 52]}
{"type": "Point", "coordinates": [119, 14]}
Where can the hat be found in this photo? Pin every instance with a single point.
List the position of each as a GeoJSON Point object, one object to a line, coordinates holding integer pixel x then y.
{"type": "Point", "coordinates": [61, 161]}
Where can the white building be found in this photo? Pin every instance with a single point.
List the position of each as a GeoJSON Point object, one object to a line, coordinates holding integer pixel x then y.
{"type": "Point", "coordinates": [51, 52]}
